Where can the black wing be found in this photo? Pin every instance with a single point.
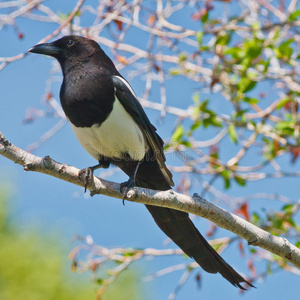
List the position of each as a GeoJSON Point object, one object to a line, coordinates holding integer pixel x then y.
{"type": "Point", "coordinates": [128, 99]}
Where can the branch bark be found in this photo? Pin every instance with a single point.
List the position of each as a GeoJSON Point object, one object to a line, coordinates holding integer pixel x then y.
{"type": "Point", "coordinates": [195, 205]}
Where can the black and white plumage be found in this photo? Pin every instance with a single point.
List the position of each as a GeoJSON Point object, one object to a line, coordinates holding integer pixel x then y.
{"type": "Point", "coordinates": [112, 126]}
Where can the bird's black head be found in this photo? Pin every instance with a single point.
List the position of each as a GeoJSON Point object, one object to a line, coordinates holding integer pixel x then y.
{"type": "Point", "coordinates": [70, 48]}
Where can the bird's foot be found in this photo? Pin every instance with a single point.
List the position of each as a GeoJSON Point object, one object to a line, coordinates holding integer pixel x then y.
{"type": "Point", "coordinates": [87, 176]}
{"type": "Point", "coordinates": [126, 186]}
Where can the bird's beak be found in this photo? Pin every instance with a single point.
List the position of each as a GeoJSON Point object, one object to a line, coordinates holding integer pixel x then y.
{"type": "Point", "coordinates": [46, 49]}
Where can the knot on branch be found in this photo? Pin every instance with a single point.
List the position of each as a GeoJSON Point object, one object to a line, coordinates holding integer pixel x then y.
{"type": "Point", "coordinates": [62, 169]}
{"type": "Point", "coordinates": [288, 249]}
{"type": "Point", "coordinates": [47, 161]}
{"type": "Point", "coordinates": [131, 194]}
{"type": "Point", "coordinates": [3, 141]}
{"type": "Point", "coordinates": [253, 241]}
{"type": "Point", "coordinates": [28, 167]}
{"type": "Point", "coordinates": [204, 205]}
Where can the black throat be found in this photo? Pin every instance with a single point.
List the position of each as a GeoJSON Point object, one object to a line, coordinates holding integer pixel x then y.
{"type": "Point", "coordinates": [87, 95]}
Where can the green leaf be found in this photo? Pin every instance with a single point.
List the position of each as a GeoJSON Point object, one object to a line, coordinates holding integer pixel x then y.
{"type": "Point", "coordinates": [255, 218]}
{"type": "Point", "coordinates": [174, 71]}
{"type": "Point", "coordinates": [223, 39]}
{"type": "Point", "coordinates": [250, 86]}
{"type": "Point", "coordinates": [194, 126]}
{"type": "Point", "coordinates": [211, 120]}
{"type": "Point", "coordinates": [245, 85]}
{"type": "Point", "coordinates": [186, 143]}
{"type": "Point", "coordinates": [99, 281]}
{"type": "Point", "coordinates": [282, 102]}
{"type": "Point", "coordinates": [255, 25]}
{"type": "Point", "coordinates": [214, 155]}
{"type": "Point", "coordinates": [204, 48]}
{"type": "Point", "coordinates": [182, 57]}
{"type": "Point", "coordinates": [235, 52]}
{"type": "Point", "coordinates": [190, 268]}
{"type": "Point", "coordinates": [253, 48]}
{"type": "Point", "coordinates": [204, 17]}
{"type": "Point", "coordinates": [199, 37]}
{"type": "Point", "coordinates": [266, 64]}
{"type": "Point", "coordinates": [178, 133]}
{"type": "Point", "coordinates": [284, 49]}
{"type": "Point", "coordinates": [288, 208]}
{"type": "Point", "coordinates": [232, 133]}
{"type": "Point", "coordinates": [215, 122]}
{"type": "Point", "coordinates": [240, 180]}
{"type": "Point", "coordinates": [285, 125]}
{"type": "Point", "coordinates": [129, 252]}
{"type": "Point", "coordinates": [250, 100]}
{"type": "Point", "coordinates": [240, 113]}
{"type": "Point", "coordinates": [291, 222]}
{"type": "Point", "coordinates": [203, 105]}
{"type": "Point", "coordinates": [294, 15]}
{"type": "Point", "coordinates": [217, 246]}
{"type": "Point", "coordinates": [297, 244]}
{"type": "Point", "coordinates": [226, 176]}
{"type": "Point", "coordinates": [196, 98]}
{"type": "Point", "coordinates": [277, 222]}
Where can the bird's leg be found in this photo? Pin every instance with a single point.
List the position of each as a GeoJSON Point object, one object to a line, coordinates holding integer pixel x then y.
{"type": "Point", "coordinates": [87, 174]}
{"type": "Point", "coordinates": [130, 183]}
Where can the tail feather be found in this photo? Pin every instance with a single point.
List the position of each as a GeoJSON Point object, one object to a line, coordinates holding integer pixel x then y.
{"type": "Point", "coordinates": [178, 226]}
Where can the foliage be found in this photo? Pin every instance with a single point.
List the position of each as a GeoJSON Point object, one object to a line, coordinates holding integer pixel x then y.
{"type": "Point", "coordinates": [33, 267]}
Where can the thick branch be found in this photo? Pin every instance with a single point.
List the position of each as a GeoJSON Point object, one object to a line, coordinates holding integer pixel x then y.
{"type": "Point", "coordinates": [195, 205]}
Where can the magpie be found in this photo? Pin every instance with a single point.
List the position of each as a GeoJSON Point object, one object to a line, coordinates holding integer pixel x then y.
{"type": "Point", "coordinates": [112, 126]}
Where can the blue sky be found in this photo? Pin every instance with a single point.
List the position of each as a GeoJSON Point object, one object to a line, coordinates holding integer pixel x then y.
{"type": "Point", "coordinates": [62, 208]}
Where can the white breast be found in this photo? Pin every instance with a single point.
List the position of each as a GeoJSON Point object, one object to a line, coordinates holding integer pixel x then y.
{"type": "Point", "coordinates": [116, 135]}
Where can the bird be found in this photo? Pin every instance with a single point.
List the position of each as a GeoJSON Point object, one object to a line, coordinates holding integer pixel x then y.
{"type": "Point", "coordinates": [112, 126]}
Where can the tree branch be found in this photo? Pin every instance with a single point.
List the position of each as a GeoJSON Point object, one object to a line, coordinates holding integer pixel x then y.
{"type": "Point", "coordinates": [195, 205]}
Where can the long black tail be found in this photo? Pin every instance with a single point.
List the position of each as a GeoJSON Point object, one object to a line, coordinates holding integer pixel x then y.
{"type": "Point", "coordinates": [178, 226]}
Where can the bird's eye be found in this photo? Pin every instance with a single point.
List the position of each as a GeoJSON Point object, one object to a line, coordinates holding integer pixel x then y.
{"type": "Point", "coordinates": [70, 43]}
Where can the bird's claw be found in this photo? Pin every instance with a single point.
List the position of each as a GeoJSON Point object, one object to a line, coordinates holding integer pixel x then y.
{"type": "Point", "coordinates": [87, 176]}
{"type": "Point", "coordinates": [127, 185]}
